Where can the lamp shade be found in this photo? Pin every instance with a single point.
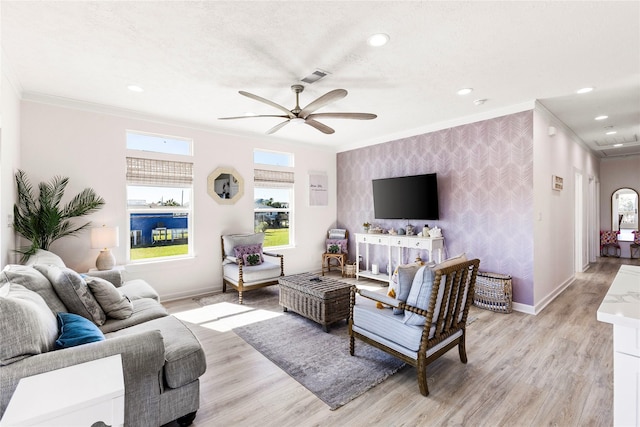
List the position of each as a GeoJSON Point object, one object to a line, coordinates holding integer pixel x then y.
{"type": "Point", "coordinates": [104, 237]}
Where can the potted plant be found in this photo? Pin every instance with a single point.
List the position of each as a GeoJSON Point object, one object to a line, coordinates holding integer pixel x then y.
{"type": "Point", "coordinates": [41, 220]}
{"type": "Point", "coordinates": [366, 226]}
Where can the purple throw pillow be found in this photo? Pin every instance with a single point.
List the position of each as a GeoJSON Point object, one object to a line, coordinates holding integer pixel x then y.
{"type": "Point", "coordinates": [341, 243]}
{"type": "Point", "coordinates": [243, 250]}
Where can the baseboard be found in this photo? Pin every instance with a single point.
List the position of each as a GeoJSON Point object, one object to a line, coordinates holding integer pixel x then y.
{"type": "Point", "coordinates": [553, 295]}
{"type": "Point", "coordinates": [523, 308]}
{"type": "Point", "coordinates": [182, 295]}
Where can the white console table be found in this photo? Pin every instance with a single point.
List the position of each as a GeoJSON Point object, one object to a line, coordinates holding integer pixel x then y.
{"type": "Point", "coordinates": [621, 308]}
{"type": "Point", "coordinates": [78, 395]}
{"type": "Point", "coordinates": [398, 242]}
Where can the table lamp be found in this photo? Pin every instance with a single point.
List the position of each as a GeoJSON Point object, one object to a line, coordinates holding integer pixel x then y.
{"type": "Point", "coordinates": [105, 238]}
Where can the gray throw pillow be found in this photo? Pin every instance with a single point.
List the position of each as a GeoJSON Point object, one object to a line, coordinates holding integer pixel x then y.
{"type": "Point", "coordinates": [419, 295]}
{"type": "Point", "coordinates": [74, 292]}
{"type": "Point", "coordinates": [113, 303]}
{"type": "Point", "coordinates": [27, 326]}
{"type": "Point", "coordinates": [406, 273]}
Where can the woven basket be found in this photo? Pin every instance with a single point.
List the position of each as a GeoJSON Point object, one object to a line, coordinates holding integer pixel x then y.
{"type": "Point", "coordinates": [493, 292]}
{"type": "Point", "coordinates": [350, 270]}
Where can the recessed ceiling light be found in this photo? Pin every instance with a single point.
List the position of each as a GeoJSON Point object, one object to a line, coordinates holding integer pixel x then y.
{"type": "Point", "coordinates": [611, 132]}
{"type": "Point", "coordinates": [585, 90]}
{"type": "Point", "coordinates": [601, 117]}
{"type": "Point", "coordinates": [617, 145]}
{"type": "Point", "coordinates": [465, 91]}
{"type": "Point", "coordinates": [135, 88]}
{"type": "Point", "coordinates": [479, 101]}
{"type": "Point", "coordinates": [378, 40]}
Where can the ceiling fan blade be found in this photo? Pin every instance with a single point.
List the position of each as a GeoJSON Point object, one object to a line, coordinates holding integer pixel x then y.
{"type": "Point", "coordinates": [266, 101]}
{"type": "Point", "coordinates": [321, 127]}
{"type": "Point", "coordinates": [252, 117]}
{"type": "Point", "coordinates": [325, 99]}
{"type": "Point", "coordinates": [277, 127]}
{"type": "Point", "coordinates": [355, 116]}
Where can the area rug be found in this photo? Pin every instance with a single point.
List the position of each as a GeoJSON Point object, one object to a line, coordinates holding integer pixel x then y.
{"type": "Point", "coordinates": [318, 360]}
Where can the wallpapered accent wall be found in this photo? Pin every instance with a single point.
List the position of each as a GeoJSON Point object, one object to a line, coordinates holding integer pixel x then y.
{"type": "Point", "coordinates": [485, 186]}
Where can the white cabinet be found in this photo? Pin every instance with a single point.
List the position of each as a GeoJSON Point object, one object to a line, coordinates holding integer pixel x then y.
{"type": "Point", "coordinates": [78, 395]}
{"type": "Point", "coordinates": [621, 308]}
{"type": "Point", "coordinates": [398, 244]}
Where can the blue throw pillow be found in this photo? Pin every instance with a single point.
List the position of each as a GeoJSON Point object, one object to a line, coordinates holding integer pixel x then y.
{"type": "Point", "coordinates": [76, 330]}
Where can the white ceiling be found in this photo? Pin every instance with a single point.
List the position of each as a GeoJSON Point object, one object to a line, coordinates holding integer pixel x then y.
{"type": "Point", "coordinates": [191, 58]}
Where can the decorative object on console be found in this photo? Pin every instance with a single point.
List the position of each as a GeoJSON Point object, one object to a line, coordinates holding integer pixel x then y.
{"type": "Point", "coordinates": [41, 220]}
{"type": "Point", "coordinates": [105, 238]}
{"type": "Point", "coordinates": [366, 226]}
{"type": "Point", "coordinates": [435, 232]}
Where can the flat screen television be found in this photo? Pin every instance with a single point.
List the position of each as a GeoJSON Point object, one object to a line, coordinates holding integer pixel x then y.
{"type": "Point", "coordinates": [407, 197]}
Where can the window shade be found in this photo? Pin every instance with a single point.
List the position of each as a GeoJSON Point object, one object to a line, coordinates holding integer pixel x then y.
{"type": "Point", "coordinates": [159, 172]}
{"type": "Point", "coordinates": [271, 178]}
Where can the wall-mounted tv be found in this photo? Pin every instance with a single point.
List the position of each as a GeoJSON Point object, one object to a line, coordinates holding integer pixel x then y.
{"type": "Point", "coordinates": [406, 197]}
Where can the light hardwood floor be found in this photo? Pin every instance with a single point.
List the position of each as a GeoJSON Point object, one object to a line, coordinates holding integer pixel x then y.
{"type": "Point", "coordinates": [553, 369]}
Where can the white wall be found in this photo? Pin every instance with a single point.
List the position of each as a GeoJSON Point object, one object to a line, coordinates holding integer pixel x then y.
{"type": "Point", "coordinates": [89, 148]}
{"type": "Point", "coordinates": [9, 160]}
{"type": "Point", "coordinates": [562, 155]}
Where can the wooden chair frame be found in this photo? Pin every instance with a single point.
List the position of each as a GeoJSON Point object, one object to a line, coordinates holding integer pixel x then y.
{"type": "Point", "coordinates": [454, 302]}
{"type": "Point", "coordinates": [240, 286]}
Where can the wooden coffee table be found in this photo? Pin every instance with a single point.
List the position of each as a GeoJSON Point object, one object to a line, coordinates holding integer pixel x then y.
{"type": "Point", "coordinates": [321, 299]}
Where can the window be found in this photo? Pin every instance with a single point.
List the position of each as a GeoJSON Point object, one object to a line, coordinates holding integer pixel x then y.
{"type": "Point", "coordinates": [273, 198]}
{"type": "Point", "coordinates": [159, 195]}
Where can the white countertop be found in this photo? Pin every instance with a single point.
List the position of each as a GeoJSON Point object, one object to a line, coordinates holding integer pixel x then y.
{"type": "Point", "coordinates": [621, 305]}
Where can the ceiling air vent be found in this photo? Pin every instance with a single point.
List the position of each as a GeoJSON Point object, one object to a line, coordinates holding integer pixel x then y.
{"type": "Point", "coordinates": [315, 76]}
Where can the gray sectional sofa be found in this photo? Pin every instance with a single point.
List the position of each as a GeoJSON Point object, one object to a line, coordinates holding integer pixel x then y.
{"type": "Point", "coordinates": [162, 359]}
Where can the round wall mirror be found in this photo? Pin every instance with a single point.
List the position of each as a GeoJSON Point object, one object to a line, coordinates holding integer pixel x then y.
{"type": "Point", "coordinates": [225, 185]}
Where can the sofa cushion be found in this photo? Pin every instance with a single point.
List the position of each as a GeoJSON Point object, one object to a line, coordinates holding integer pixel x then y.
{"type": "Point", "coordinates": [114, 276]}
{"type": "Point", "coordinates": [144, 310]}
{"type": "Point", "coordinates": [76, 330]}
{"type": "Point", "coordinates": [419, 295]}
{"type": "Point", "coordinates": [35, 281]}
{"type": "Point", "coordinates": [230, 241]}
{"type": "Point", "coordinates": [27, 325]}
{"type": "Point", "coordinates": [251, 274]}
{"type": "Point", "coordinates": [387, 325]}
{"type": "Point", "coordinates": [137, 289]}
{"type": "Point", "coordinates": [184, 357]}
{"type": "Point", "coordinates": [74, 292]}
{"type": "Point", "coordinates": [113, 303]}
{"type": "Point", "coordinates": [45, 258]}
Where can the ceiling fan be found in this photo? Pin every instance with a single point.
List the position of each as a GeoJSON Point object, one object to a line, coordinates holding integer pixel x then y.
{"type": "Point", "coordinates": [305, 115]}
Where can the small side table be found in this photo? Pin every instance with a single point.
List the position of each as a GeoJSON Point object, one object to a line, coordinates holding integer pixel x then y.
{"type": "Point", "coordinates": [326, 261]}
{"type": "Point", "coordinates": [78, 395]}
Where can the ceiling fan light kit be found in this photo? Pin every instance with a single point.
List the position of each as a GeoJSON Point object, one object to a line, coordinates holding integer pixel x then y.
{"type": "Point", "coordinates": [305, 115]}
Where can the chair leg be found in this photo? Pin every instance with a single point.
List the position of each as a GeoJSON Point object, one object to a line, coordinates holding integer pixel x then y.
{"type": "Point", "coordinates": [462, 349]}
{"type": "Point", "coordinates": [422, 376]}
{"type": "Point", "coordinates": [240, 297]}
{"type": "Point", "coordinates": [224, 286]}
{"type": "Point", "coordinates": [352, 345]}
